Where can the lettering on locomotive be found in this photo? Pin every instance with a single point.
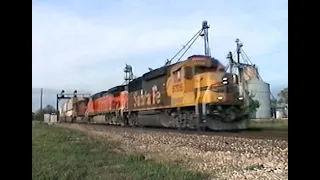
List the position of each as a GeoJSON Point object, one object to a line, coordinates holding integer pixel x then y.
{"type": "Point", "coordinates": [177, 88]}
{"type": "Point", "coordinates": [147, 98]}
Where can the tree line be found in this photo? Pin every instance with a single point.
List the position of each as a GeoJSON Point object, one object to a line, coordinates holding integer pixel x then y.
{"type": "Point", "coordinates": [282, 97]}
{"type": "Point", "coordinates": [48, 109]}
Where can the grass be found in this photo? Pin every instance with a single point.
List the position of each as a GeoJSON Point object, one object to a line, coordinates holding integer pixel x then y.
{"type": "Point", "coordinates": [61, 154]}
{"type": "Point", "coordinates": [269, 124]}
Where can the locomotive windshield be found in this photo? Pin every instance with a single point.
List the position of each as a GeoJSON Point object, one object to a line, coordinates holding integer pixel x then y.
{"type": "Point", "coordinates": [205, 69]}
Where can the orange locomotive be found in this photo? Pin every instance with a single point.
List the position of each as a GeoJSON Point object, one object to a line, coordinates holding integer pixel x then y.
{"type": "Point", "coordinates": [107, 106]}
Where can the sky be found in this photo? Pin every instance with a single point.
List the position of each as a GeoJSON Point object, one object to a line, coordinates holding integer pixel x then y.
{"type": "Point", "coordinates": [84, 45]}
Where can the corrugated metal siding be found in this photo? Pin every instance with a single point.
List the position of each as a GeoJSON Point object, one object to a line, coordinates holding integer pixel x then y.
{"type": "Point", "coordinates": [249, 72]}
{"type": "Point", "coordinates": [69, 113]}
{"type": "Point", "coordinates": [64, 107]}
{"type": "Point", "coordinates": [70, 104]}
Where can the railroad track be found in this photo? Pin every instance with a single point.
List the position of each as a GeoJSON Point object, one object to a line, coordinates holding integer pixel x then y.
{"type": "Point", "coordinates": [268, 134]}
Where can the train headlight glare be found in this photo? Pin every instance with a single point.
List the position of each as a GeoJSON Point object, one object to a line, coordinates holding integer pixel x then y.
{"type": "Point", "coordinates": [240, 98]}
{"type": "Point", "coordinates": [220, 97]}
{"type": "Point", "coordinates": [224, 79]}
{"type": "Point", "coordinates": [225, 82]}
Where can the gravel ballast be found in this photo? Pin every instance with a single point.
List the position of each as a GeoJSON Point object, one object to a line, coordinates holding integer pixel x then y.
{"type": "Point", "coordinates": [229, 158]}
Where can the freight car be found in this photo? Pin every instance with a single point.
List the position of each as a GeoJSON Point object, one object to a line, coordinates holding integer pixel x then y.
{"type": "Point", "coordinates": [73, 109]}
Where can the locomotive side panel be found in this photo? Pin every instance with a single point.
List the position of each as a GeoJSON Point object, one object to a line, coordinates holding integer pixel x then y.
{"type": "Point", "coordinates": [152, 95]}
{"type": "Point", "coordinates": [134, 86]}
{"type": "Point", "coordinates": [90, 107]}
{"type": "Point", "coordinates": [99, 107]}
{"type": "Point", "coordinates": [124, 100]}
{"type": "Point", "coordinates": [116, 102]}
{"type": "Point", "coordinates": [108, 102]}
{"type": "Point", "coordinates": [96, 105]}
{"type": "Point", "coordinates": [149, 91]}
{"type": "Point", "coordinates": [96, 102]}
{"type": "Point", "coordinates": [103, 107]}
{"type": "Point", "coordinates": [102, 104]}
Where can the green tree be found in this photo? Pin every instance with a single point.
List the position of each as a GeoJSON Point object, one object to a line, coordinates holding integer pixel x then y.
{"type": "Point", "coordinates": [283, 96]}
{"type": "Point", "coordinates": [38, 115]}
{"type": "Point", "coordinates": [274, 102]}
{"type": "Point", "coordinates": [49, 110]}
{"type": "Point", "coordinates": [253, 104]}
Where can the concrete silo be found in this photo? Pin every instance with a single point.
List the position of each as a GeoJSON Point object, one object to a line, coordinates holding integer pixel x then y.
{"type": "Point", "coordinates": [261, 90]}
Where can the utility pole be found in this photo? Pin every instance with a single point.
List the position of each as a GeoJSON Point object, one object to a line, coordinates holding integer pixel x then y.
{"type": "Point", "coordinates": [41, 95]}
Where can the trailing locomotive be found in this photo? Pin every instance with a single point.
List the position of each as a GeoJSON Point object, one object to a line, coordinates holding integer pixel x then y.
{"type": "Point", "coordinates": [196, 93]}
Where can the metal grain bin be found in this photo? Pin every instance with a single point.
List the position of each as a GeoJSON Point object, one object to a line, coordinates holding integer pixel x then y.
{"type": "Point", "coordinates": [53, 118]}
{"type": "Point", "coordinates": [250, 72]}
{"type": "Point", "coordinates": [280, 113]}
{"type": "Point", "coordinates": [261, 90]}
{"type": "Point", "coordinates": [286, 110]}
{"type": "Point", "coordinates": [46, 118]}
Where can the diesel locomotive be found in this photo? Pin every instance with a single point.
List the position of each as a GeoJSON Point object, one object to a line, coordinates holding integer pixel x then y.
{"type": "Point", "coordinates": [194, 93]}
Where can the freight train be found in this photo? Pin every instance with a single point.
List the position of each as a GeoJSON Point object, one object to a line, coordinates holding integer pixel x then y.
{"type": "Point", "coordinates": [196, 93]}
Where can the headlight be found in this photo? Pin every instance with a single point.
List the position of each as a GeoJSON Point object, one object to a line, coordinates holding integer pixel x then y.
{"type": "Point", "coordinates": [220, 97]}
{"type": "Point", "coordinates": [225, 80]}
{"type": "Point", "coordinates": [240, 98]}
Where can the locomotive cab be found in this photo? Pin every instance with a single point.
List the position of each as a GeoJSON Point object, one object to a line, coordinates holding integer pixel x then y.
{"type": "Point", "coordinates": [203, 81]}
{"type": "Point", "coordinates": [211, 82]}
